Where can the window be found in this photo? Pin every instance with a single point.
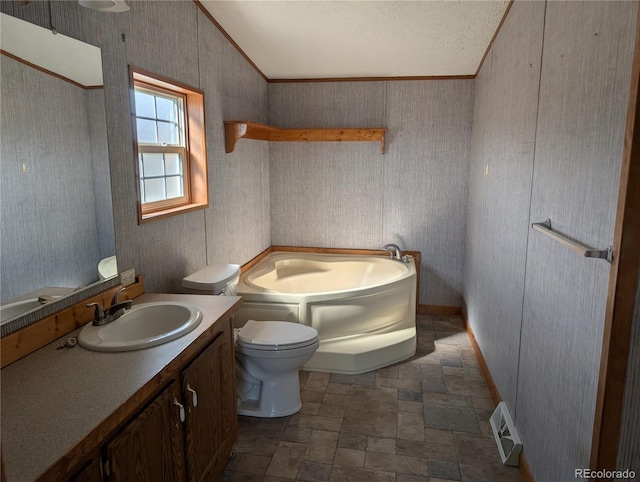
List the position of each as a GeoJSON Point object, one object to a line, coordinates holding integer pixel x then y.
{"type": "Point", "coordinates": [170, 146]}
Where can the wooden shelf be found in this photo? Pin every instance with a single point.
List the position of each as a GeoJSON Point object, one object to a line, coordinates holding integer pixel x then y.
{"type": "Point", "coordinates": [236, 130]}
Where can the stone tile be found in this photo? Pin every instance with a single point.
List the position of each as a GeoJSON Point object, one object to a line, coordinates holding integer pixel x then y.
{"type": "Point", "coordinates": [400, 383]}
{"type": "Point", "coordinates": [253, 464]}
{"type": "Point", "coordinates": [468, 385]}
{"type": "Point", "coordinates": [457, 322]}
{"type": "Point", "coordinates": [479, 460]}
{"type": "Point", "coordinates": [349, 474]}
{"type": "Point", "coordinates": [432, 373]}
{"type": "Point", "coordinates": [365, 379]}
{"type": "Point", "coordinates": [302, 377]}
{"type": "Point", "coordinates": [286, 460]}
{"type": "Point", "coordinates": [427, 450]}
{"type": "Point", "coordinates": [381, 445]}
{"type": "Point", "coordinates": [444, 470]}
{"type": "Point", "coordinates": [463, 372]}
{"type": "Point", "coordinates": [265, 427]}
{"type": "Point", "coordinates": [296, 434]}
{"type": "Point", "coordinates": [445, 326]}
{"type": "Point", "coordinates": [437, 387]}
{"type": "Point", "coordinates": [371, 411]}
{"type": "Point", "coordinates": [356, 441]}
{"type": "Point", "coordinates": [340, 388]}
{"type": "Point", "coordinates": [233, 461]}
{"type": "Point", "coordinates": [447, 399]}
{"type": "Point", "coordinates": [243, 477]}
{"type": "Point", "coordinates": [449, 338]}
{"type": "Point", "coordinates": [410, 371]}
{"type": "Point", "coordinates": [412, 395]}
{"type": "Point", "coordinates": [483, 415]}
{"type": "Point", "coordinates": [451, 362]}
{"type": "Point", "coordinates": [400, 464]}
{"type": "Point", "coordinates": [311, 396]}
{"type": "Point", "coordinates": [317, 381]}
{"type": "Point", "coordinates": [483, 402]}
{"type": "Point", "coordinates": [255, 444]}
{"type": "Point", "coordinates": [321, 446]}
{"type": "Point", "coordinates": [333, 405]}
{"type": "Point", "coordinates": [427, 354]}
{"type": "Point", "coordinates": [460, 419]}
{"type": "Point", "coordinates": [393, 424]}
{"type": "Point", "coordinates": [411, 426]}
{"type": "Point", "coordinates": [388, 372]}
{"type": "Point", "coordinates": [409, 406]}
{"type": "Point", "coordinates": [349, 458]}
{"type": "Point", "coordinates": [314, 472]}
{"type": "Point", "coordinates": [468, 357]}
{"type": "Point", "coordinates": [316, 422]}
{"type": "Point", "coordinates": [437, 436]}
{"type": "Point", "coordinates": [310, 408]}
{"type": "Point", "coordinates": [412, 478]}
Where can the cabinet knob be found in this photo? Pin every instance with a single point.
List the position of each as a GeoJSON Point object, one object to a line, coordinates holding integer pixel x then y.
{"type": "Point", "coordinates": [178, 404]}
{"type": "Point", "coordinates": [194, 396]}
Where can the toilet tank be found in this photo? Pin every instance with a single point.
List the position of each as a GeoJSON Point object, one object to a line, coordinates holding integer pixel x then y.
{"type": "Point", "coordinates": [214, 279]}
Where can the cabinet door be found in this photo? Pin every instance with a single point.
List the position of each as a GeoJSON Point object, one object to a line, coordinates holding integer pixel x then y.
{"type": "Point", "coordinates": [89, 473]}
{"type": "Point", "coordinates": [151, 447]}
{"type": "Point", "coordinates": [211, 425]}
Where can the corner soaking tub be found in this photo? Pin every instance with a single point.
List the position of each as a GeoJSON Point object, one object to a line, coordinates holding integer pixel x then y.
{"type": "Point", "coordinates": [362, 306]}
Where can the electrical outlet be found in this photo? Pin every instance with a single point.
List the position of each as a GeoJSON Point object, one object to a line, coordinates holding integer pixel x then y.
{"type": "Point", "coordinates": [128, 277]}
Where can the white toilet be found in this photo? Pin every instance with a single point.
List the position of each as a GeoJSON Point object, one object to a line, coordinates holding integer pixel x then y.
{"type": "Point", "coordinates": [268, 353]}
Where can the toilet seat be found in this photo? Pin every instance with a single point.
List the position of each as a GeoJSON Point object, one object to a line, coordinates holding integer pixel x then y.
{"type": "Point", "coordinates": [275, 335]}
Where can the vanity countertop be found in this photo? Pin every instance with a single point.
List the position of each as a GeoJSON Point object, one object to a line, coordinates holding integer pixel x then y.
{"type": "Point", "coordinates": [52, 399]}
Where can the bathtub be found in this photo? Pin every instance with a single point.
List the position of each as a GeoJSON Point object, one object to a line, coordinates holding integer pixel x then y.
{"type": "Point", "coordinates": [364, 307]}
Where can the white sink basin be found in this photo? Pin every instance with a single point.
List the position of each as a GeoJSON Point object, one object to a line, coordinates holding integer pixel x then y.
{"type": "Point", "coordinates": [142, 326]}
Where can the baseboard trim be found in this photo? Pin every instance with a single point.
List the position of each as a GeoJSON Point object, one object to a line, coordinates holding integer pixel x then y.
{"type": "Point", "coordinates": [439, 310]}
{"type": "Point", "coordinates": [493, 390]}
{"type": "Point", "coordinates": [523, 466]}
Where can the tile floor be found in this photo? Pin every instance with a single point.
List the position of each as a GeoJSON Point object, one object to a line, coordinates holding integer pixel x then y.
{"type": "Point", "coordinates": [424, 419]}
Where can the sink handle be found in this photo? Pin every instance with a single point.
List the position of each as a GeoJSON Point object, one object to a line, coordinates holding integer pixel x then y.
{"type": "Point", "coordinates": [178, 404]}
{"type": "Point", "coordinates": [194, 396]}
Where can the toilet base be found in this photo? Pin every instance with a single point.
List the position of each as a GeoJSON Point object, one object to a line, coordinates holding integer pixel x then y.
{"type": "Point", "coordinates": [279, 397]}
{"type": "Point", "coordinates": [251, 408]}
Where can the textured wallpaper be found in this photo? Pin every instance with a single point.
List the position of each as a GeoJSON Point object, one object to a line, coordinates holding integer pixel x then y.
{"type": "Point", "coordinates": [549, 120]}
{"type": "Point", "coordinates": [349, 195]}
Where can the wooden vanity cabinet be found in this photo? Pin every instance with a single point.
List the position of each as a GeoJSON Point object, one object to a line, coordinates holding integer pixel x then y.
{"type": "Point", "coordinates": [208, 388]}
{"type": "Point", "coordinates": [150, 447]}
{"type": "Point", "coordinates": [161, 444]}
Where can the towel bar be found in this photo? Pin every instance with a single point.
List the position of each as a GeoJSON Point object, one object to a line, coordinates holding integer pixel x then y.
{"type": "Point", "coordinates": [587, 252]}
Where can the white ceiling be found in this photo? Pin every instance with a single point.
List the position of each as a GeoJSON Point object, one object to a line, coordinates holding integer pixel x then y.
{"type": "Point", "coordinates": [314, 39]}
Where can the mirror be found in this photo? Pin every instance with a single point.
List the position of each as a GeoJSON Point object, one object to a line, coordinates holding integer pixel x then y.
{"type": "Point", "coordinates": [55, 187]}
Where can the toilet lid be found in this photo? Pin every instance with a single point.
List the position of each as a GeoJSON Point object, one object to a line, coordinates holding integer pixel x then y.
{"type": "Point", "coordinates": [213, 277]}
{"type": "Point", "coordinates": [276, 334]}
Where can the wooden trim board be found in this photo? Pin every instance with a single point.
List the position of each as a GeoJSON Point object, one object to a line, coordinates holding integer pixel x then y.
{"type": "Point", "coordinates": [24, 341]}
{"type": "Point", "coordinates": [623, 280]}
{"type": "Point", "coordinates": [523, 466]}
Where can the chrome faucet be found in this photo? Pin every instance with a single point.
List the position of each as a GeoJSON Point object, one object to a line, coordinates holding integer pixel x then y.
{"type": "Point", "coordinates": [394, 251]}
{"type": "Point", "coordinates": [115, 311]}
